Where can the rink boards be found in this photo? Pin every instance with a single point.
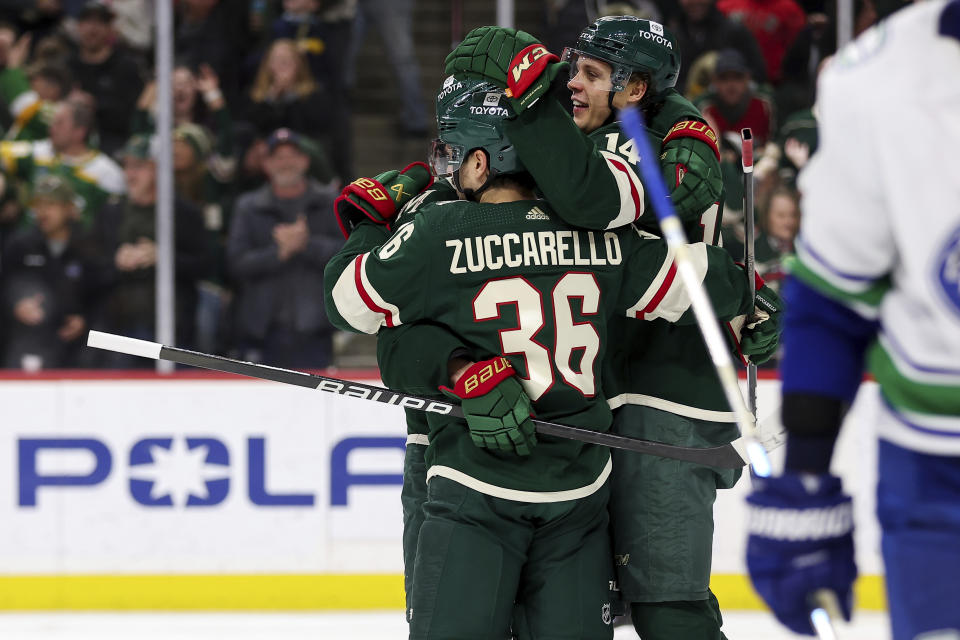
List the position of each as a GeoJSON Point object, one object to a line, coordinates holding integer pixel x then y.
{"type": "Point", "coordinates": [210, 492]}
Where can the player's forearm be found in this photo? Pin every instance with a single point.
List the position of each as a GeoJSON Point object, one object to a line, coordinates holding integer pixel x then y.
{"type": "Point", "coordinates": [566, 166]}
{"type": "Point", "coordinates": [416, 358]}
{"type": "Point", "coordinates": [824, 350]}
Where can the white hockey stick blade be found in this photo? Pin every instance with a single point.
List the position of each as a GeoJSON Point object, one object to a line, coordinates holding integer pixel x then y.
{"type": "Point", "coordinates": [123, 344]}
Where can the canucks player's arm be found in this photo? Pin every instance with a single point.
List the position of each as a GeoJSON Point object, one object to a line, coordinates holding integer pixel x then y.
{"type": "Point", "coordinates": [653, 288]}
{"type": "Point", "coordinates": [845, 255]}
{"type": "Point", "coordinates": [591, 186]}
{"type": "Point", "coordinates": [383, 287]}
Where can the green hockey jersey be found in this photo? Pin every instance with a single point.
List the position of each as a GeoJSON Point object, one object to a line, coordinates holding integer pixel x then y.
{"type": "Point", "coordinates": [512, 278]}
{"type": "Point", "coordinates": [592, 181]}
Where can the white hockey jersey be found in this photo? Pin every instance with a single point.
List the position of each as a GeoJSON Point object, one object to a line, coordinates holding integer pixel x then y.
{"type": "Point", "coordinates": [881, 216]}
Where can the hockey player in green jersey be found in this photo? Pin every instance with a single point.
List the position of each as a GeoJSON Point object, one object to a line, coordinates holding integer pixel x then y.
{"type": "Point", "coordinates": [660, 381]}
{"type": "Point", "coordinates": [509, 519]}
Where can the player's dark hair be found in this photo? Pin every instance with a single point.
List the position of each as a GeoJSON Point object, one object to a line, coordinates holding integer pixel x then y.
{"type": "Point", "coordinates": [522, 181]}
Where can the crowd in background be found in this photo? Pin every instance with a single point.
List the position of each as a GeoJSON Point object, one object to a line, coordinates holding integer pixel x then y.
{"type": "Point", "coordinates": [262, 144]}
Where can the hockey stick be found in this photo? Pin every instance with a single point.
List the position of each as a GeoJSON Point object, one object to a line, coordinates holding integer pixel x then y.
{"type": "Point", "coordinates": [749, 251]}
{"type": "Point", "coordinates": [631, 121]}
{"type": "Point", "coordinates": [824, 609]}
{"type": "Point", "coordinates": [728, 456]}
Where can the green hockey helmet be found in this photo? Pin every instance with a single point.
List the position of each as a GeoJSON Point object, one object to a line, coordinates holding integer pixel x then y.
{"type": "Point", "coordinates": [470, 115]}
{"type": "Point", "coordinates": [630, 44]}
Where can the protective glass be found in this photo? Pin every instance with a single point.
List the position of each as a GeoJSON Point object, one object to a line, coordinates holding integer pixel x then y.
{"type": "Point", "coordinates": [619, 75]}
{"type": "Point", "coordinates": [445, 158]}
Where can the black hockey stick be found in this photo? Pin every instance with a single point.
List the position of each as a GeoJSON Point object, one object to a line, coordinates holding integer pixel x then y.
{"type": "Point", "coordinates": [728, 456]}
{"type": "Point", "coordinates": [749, 250]}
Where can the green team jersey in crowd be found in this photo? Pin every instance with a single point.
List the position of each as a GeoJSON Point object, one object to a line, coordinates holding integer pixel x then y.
{"type": "Point", "coordinates": [31, 115]}
{"type": "Point", "coordinates": [512, 278]}
{"type": "Point", "coordinates": [593, 182]}
{"type": "Point", "coordinates": [93, 176]}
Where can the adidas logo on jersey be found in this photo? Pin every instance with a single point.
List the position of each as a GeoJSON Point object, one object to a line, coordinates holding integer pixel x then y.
{"type": "Point", "coordinates": [537, 214]}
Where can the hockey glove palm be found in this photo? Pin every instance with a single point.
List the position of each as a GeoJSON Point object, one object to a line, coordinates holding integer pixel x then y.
{"type": "Point", "coordinates": [380, 198]}
{"type": "Point", "coordinates": [761, 335]}
{"type": "Point", "coordinates": [496, 407]}
{"type": "Point", "coordinates": [801, 540]}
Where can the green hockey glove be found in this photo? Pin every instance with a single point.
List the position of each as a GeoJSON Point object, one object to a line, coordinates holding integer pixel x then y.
{"type": "Point", "coordinates": [531, 74]}
{"type": "Point", "coordinates": [761, 335]}
{"type": "Point", "coordinates": [690, 160]}
{"type": "Point", "coordinates": [496, 407]}
{"type": "Point", "coordinates": [486, 52]}
{"type": "Point", "coordinates": [380, 198]}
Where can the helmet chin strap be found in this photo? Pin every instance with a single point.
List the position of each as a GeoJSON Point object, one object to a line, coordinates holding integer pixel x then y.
{"type": "Point", "coordinates": [612, 117]}
{"type": "Point", "coordinates": [473, 195]}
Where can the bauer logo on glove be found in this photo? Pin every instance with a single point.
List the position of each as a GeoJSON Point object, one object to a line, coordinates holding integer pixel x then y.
{"type": "Point", "coordinates": [379, 199]}
{"type": "Point", "coordinates": [495, 406]}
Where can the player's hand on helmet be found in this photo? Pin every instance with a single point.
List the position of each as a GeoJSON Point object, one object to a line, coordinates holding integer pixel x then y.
{"type": "Point", "coordinates": [496, 407]}
{"type": "Point", "coordinates": [380, 198]}
{"type": "Point", "coordinates": [486, 53]}
{"type": "Point", "coordinates": [800, 541]}
{"type": "Point", "coordinates": [760, 335]}
{"type": "Point", "coordinates": [509, 58]}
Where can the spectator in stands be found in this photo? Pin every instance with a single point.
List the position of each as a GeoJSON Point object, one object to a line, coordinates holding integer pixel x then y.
{"type": "Point", "coordinates": [815, 43]}
{"type": "Point", "coordinates": [317, 40]}
{"type": "Point", "coordinates": [126, 231]}
{"type": "Point", "coordinates": [49, 280]}
{"type": "Point", "coordinates": [205, 166]}
{"type": "Point", "coordinates": [285, 94]}
{"type": "Point", "coordinates": [39, 17]}
{"type": "Point", "coordinates": [733, 102]}
{"type": "Point", "coordinates": [111, 76]}
{"type": "Point", "coordinates": [784, 158]}
{"type": "Point", "coordinates": [779, 224]}
{"type": "Point", "coordinates": [214, 32]}
{"type": "Point", "coordinates": [92, 175]}
{"type": "Point", "coordinates": [134, 24]}
{"type": "Point", "coordinates": [774, 23]}
{"type": "Point", "coordinates": [699, 28]}
{"type": "Point", "coordinates": [50, 81]}
{"type": "Point", "coordinates": [30, 95]}
{"type": "Point", "coordinates": [394, 21]}
{"type": "Point", "coordinates": [281, 237]}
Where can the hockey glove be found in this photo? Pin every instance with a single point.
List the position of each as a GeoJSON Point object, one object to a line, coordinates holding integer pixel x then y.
{"type": "Point", "coordinates": [486, 52]}
{"type": "Point", "coordinates": [801, 540]}
{"type": "Point", "coordinates": [496, 407]}
{"type": "Point", "coordinates": [531, 74]}
{"type": "Point", "coordinates": [690, 160]}
{"type": "Point", "coordinates": [380, 198]}
{"type": "Point", "coordinates": [761, 335]}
